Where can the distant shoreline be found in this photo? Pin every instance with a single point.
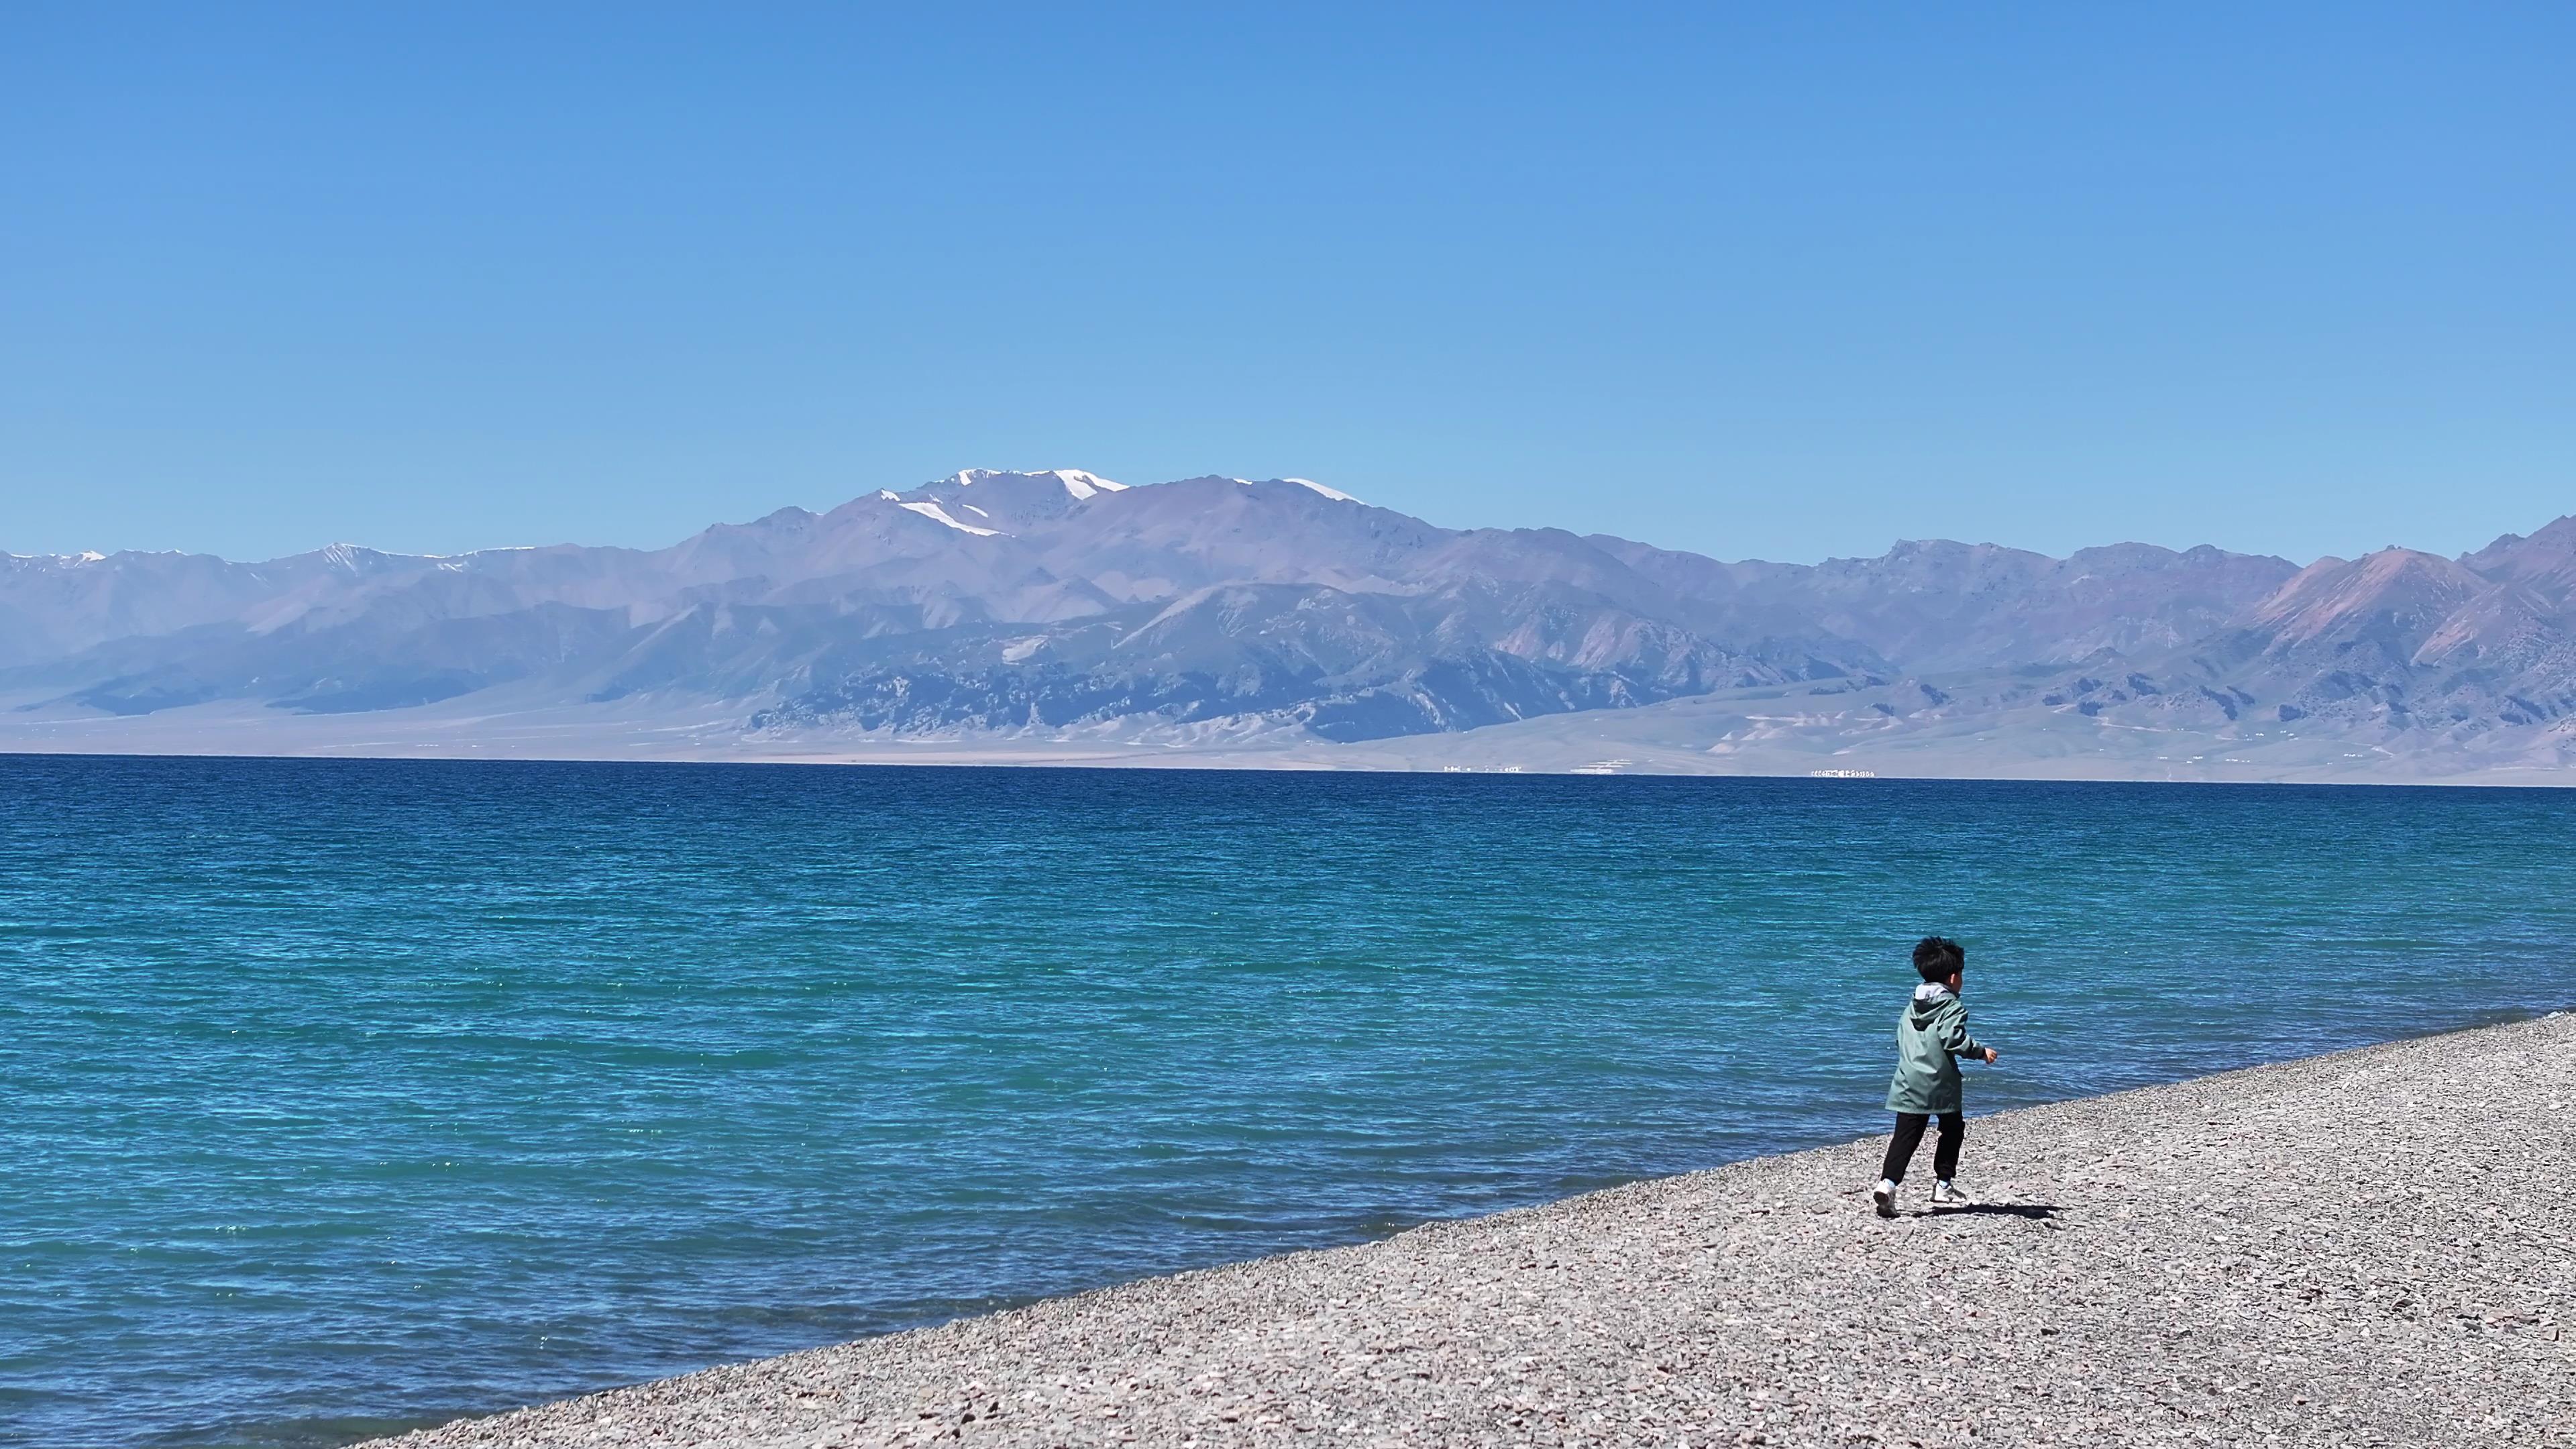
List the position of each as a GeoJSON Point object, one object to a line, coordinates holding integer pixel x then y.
{"type": "Point", "coordinates": [1361, 761]}
{"type": "Point", "coordinates": [2226, 1252]}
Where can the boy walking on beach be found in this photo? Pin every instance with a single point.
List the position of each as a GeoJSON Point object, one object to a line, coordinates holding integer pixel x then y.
{"type": "Point", "coordinates": [1930, 1039]}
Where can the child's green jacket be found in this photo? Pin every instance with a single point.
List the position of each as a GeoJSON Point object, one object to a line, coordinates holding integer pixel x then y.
{"type": "Point", "coordinates": [1930, 1039]}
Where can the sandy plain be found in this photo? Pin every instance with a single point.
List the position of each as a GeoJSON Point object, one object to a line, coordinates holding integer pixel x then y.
{"type": "Point", "coordinates": [1746, 732]}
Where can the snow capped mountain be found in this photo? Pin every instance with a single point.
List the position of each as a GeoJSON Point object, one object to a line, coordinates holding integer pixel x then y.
{"type": "Point", "coordinates": [1056, 600]}
{"type": "Point", "coordinates": [999, 502]}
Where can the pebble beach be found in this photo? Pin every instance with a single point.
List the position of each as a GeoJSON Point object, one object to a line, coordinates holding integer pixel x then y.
{"type": "Point", "coordinates": [2372, 1247]}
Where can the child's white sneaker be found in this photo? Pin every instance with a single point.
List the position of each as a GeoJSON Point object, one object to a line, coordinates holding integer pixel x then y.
{"type": "Point", "coordinates": [1947, 1194]}
{"type": "Point", "coordinates": [1883, 1197]}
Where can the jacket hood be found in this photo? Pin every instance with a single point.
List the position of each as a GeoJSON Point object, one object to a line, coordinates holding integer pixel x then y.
{"type": "Point", "coordinates": [1929, 998]}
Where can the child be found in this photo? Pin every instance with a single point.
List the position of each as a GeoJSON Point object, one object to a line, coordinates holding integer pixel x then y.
{"type": "Point", "coordinates": [1930, 1039]}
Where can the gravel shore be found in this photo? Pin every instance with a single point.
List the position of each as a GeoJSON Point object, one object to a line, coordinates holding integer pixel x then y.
{"type": "Point", "coordinates": [2375, 1247]}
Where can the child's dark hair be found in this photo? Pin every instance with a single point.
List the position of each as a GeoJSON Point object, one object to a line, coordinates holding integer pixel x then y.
{"type": "Point", "coordinates": [1937, 958]}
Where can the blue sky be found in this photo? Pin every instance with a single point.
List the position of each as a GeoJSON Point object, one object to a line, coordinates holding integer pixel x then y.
{"type": "Point", "coordinates": [1767, 281]}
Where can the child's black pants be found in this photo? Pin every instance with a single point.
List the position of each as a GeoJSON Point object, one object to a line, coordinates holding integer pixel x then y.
{"type": "Point", "coordinates": [1909, 1135]}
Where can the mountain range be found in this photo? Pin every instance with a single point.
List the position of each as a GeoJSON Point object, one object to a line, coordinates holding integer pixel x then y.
{"type": "Point", "coordinates": [1281, 621]}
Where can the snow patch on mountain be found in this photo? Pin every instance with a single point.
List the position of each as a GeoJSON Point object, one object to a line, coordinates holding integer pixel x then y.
{"type": "Point", "coordinates": [1335, 494]}
{"type": "Point", "coordinates": [937, 514]}
{"type": "Point", "coordinates": [1083, 486]}
{"type": "Point", "coordinates": [63, 560]}
{"type": "Point", "coordinates": [1310, 485]}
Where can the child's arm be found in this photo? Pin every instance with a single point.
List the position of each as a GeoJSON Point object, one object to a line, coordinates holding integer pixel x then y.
{"type": "Point", "coordinates": [1956, 1041]}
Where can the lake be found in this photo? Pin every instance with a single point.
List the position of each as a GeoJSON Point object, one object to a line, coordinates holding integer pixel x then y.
{"type": "Point", "coordinates": [343, 1096]}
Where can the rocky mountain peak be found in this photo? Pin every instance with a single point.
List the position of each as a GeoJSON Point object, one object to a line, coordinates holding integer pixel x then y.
{"type": "Point", "coordinates": [1055, 599]}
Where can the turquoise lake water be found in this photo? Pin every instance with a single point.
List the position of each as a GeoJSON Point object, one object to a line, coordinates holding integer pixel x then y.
{"type": "Point", "coordinates": [343, 1096]}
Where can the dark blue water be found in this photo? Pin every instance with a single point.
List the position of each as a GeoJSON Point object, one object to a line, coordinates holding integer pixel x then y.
{"type": "Point", "coordinates": [345, 1095]}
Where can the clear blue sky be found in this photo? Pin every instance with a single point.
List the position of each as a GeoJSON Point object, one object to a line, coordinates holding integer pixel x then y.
{"type": "Point", "coordinates": [1754, 280]}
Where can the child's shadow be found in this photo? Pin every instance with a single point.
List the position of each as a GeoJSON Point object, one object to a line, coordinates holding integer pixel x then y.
{"type": "Point", "coordinates": [1996, 1209]}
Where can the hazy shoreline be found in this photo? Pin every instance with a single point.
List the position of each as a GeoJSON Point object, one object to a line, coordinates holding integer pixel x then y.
{"type": "Point", "coordinates": [2225, 1252]}
{"type": "Point", "coordinates": [1420, 755]}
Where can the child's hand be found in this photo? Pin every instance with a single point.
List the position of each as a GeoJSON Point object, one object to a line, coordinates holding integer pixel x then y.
{"type": "Point", "coordinates": [1991, 1054]}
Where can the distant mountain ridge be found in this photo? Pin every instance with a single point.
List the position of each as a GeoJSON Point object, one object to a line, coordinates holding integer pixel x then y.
{"type": "Point", "coordinates": [1000, 603]}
